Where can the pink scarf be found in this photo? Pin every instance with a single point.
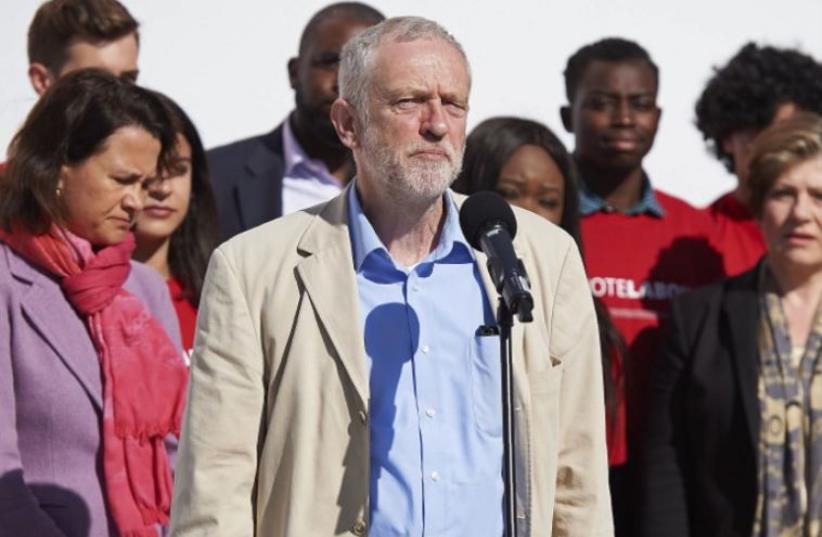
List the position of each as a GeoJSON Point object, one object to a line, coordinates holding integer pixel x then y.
{"type": "Point", "coordinates": [144, 377]}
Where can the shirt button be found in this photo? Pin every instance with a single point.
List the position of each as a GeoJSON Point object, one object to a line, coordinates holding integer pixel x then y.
{"type": "Point", "coordinates": [359, 527]}
{"type": "Point", "coordinates": [363, 416]}
{"type": "Point", "coordinates": [415, 287]}
{"type": "Point", "coordinates": [425, 349]}
{"type": "Point", "coordinates": [430, 412]}
{"type": "Point", "coordinates": [435, 476]}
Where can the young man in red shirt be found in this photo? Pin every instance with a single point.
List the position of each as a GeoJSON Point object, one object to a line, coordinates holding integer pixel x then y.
{"type": "Point", "coordinates": [757, 87]}
{"type": "Point", "coordinates": [642, 246]}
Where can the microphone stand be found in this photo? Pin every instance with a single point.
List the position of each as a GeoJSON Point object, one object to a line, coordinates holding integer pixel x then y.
{"type": "Point", "coordinates": [505, 321]}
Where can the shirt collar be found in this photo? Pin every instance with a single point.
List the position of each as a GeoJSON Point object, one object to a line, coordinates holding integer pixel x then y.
{"type": "Point", "coordinates": [364, 240]}
{"type": "Point", "coordinates": [590, 203]}
{"type": "Point", "coordinates": [294, 155]}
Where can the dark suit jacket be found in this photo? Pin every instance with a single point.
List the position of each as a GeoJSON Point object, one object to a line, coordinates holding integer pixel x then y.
{"type": "Point", "coordinates": [699, 468]}
{"type": "Point", "coordinates": [248, 177]}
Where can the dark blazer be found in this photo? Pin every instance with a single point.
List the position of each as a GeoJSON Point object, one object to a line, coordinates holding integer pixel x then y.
{"type": "Point", "coordinates": [51, 480]}
{"type": "Point", "coordinates": [247, 176]}
{"type": "Point", "coordinates": [699, 468]}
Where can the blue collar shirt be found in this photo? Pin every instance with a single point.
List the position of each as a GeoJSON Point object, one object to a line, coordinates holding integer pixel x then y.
{"type": "Point", "coordinates": [590, 203]}
{"type": "Point", "coordinates": [435, 418]}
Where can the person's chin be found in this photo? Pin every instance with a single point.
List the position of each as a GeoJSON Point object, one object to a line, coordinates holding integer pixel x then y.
{"type": "Point", "coordinates": [801, 255]}
{"type": "Point", "coordinates": [112, 238]}
{"type": "Point", "coordinates": [151, 234]}
{"type": "Point", "coordinates": [623, 160]}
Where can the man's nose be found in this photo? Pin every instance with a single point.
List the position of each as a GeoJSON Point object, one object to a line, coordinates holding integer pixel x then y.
{"type": "Point", "coordinates": [435, 122]}
{"type": "Point", "coordinates": [624, 113]}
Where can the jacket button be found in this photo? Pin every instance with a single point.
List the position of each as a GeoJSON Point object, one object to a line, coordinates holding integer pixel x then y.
{"type": "Point", "coordinates": [363, 416]}
{"type": "Point", "coordinates": [359, 527]}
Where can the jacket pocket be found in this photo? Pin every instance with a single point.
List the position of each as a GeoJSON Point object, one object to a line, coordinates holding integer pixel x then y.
{"type": "Point", "coordinates": [546, 381]}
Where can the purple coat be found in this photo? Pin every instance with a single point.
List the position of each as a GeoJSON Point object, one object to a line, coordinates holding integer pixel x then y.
{"type": "Point", "coordinates": [51, 475]}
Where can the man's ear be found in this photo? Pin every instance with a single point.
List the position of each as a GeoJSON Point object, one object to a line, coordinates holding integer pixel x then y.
{"type": "Point", "coordinates": [565, 115]}
{"type": "Point", "coordinates": [344, 120]}
{"type": "Point", "coordinates": [292, 72]}
{"type": "Point", "coordinates": [40, 77]}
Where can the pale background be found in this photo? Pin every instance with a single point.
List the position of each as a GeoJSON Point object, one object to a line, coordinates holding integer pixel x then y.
{"type": "Point", "coordinates": [224, 62]}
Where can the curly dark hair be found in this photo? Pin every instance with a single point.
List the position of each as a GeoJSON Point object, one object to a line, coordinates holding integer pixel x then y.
{"type": "Point", "coordinates": [745, 93]}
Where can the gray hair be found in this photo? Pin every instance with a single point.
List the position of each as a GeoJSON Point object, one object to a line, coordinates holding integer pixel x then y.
{"type": "Point", "coordinates": [357, 55]}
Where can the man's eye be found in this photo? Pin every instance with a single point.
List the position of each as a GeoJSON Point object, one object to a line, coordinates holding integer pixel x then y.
{"type": "Point", "coordinates": [644, 105]}
{"type": "Point", "coordinates": [598, 104]}
{"type": "Point", "coordinates": [327, 60]}
{"type": "Point", "coordinates": [455, 108]}
{"type": "Point", "coordinates": [407, 103]}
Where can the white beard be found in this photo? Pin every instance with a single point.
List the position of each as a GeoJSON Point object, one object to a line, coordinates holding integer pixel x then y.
{"type": "Point", "coordinates": [416, 181]}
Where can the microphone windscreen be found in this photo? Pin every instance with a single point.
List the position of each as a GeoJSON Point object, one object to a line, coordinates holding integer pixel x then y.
{"type": "Point", "coordinates": [483, 210]}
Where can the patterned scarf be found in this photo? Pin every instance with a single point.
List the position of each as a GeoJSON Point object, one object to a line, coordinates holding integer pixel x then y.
{"type": "Point", "coordinates": [144, 377]}
{"type": "Point", "coordinates": [789, 503]}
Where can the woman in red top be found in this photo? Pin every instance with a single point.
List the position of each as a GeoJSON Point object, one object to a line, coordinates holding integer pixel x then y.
{"type": "Point", "coordinates": [177, 228]}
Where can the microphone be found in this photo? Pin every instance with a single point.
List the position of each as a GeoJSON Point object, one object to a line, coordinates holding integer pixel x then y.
{"type": "Point", "coordinates": [489, 224]}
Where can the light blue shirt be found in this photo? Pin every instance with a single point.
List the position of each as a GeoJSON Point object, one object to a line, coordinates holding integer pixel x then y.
{"type": "Point", "coordinates": [436, 423]}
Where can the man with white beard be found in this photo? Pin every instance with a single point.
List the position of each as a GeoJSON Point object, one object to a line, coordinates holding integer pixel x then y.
{"type": "Point", "coordinates": [345, 377]}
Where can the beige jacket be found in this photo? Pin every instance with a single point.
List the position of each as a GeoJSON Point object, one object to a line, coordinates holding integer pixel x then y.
{"type": "Point", "coordinates": [276, 440]}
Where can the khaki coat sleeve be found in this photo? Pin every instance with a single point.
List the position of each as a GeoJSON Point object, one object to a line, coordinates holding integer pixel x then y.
{"type": "Point", "coordinates": [217, 464]}
{"type": "Point", "coordinates": [582, 506]}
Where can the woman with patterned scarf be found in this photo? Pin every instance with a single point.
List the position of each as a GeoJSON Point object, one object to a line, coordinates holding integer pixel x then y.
{"type": "Point", "coordinates": [735, 444]}
{"type": "Point", "coordinates": [91, 383]}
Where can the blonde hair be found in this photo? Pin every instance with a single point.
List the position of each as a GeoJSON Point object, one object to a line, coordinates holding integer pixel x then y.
{"type": "Point", "coordinates": [779, 148]}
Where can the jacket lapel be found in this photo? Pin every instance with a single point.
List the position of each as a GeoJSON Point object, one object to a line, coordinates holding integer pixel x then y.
{"type": "Point", "coordinates": [740, 311]}
{"type": "Point", "coordinates": [259, 194]}
{"type": "Point", "coordinates": [330, 282]}
{"type": "Point", "coordinates": [336, 300]}
{"type": "Point", "coordinates": [47, 309]}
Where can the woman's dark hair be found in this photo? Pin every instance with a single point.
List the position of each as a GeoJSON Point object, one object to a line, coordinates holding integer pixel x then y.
{"type": "Point", "coordinates": [495, 140]}
{"type": "Point", "coordinates": [196, 237]}
{"type": "Point", "coordinates": [487, 149]}
{"type": "Point", "coordinates": [71, 122]}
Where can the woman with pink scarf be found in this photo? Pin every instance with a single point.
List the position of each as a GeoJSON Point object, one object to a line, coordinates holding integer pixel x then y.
{"type": "Point", "coordinates": [91, 383]}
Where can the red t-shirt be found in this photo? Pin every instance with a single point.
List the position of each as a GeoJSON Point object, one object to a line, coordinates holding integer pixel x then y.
{"type": "Point", "coordinates": [186, 315]}
{"type": "Point", "coordinates": [739, 234]}
{"type": "Point", "coordinates": [636, 265]}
